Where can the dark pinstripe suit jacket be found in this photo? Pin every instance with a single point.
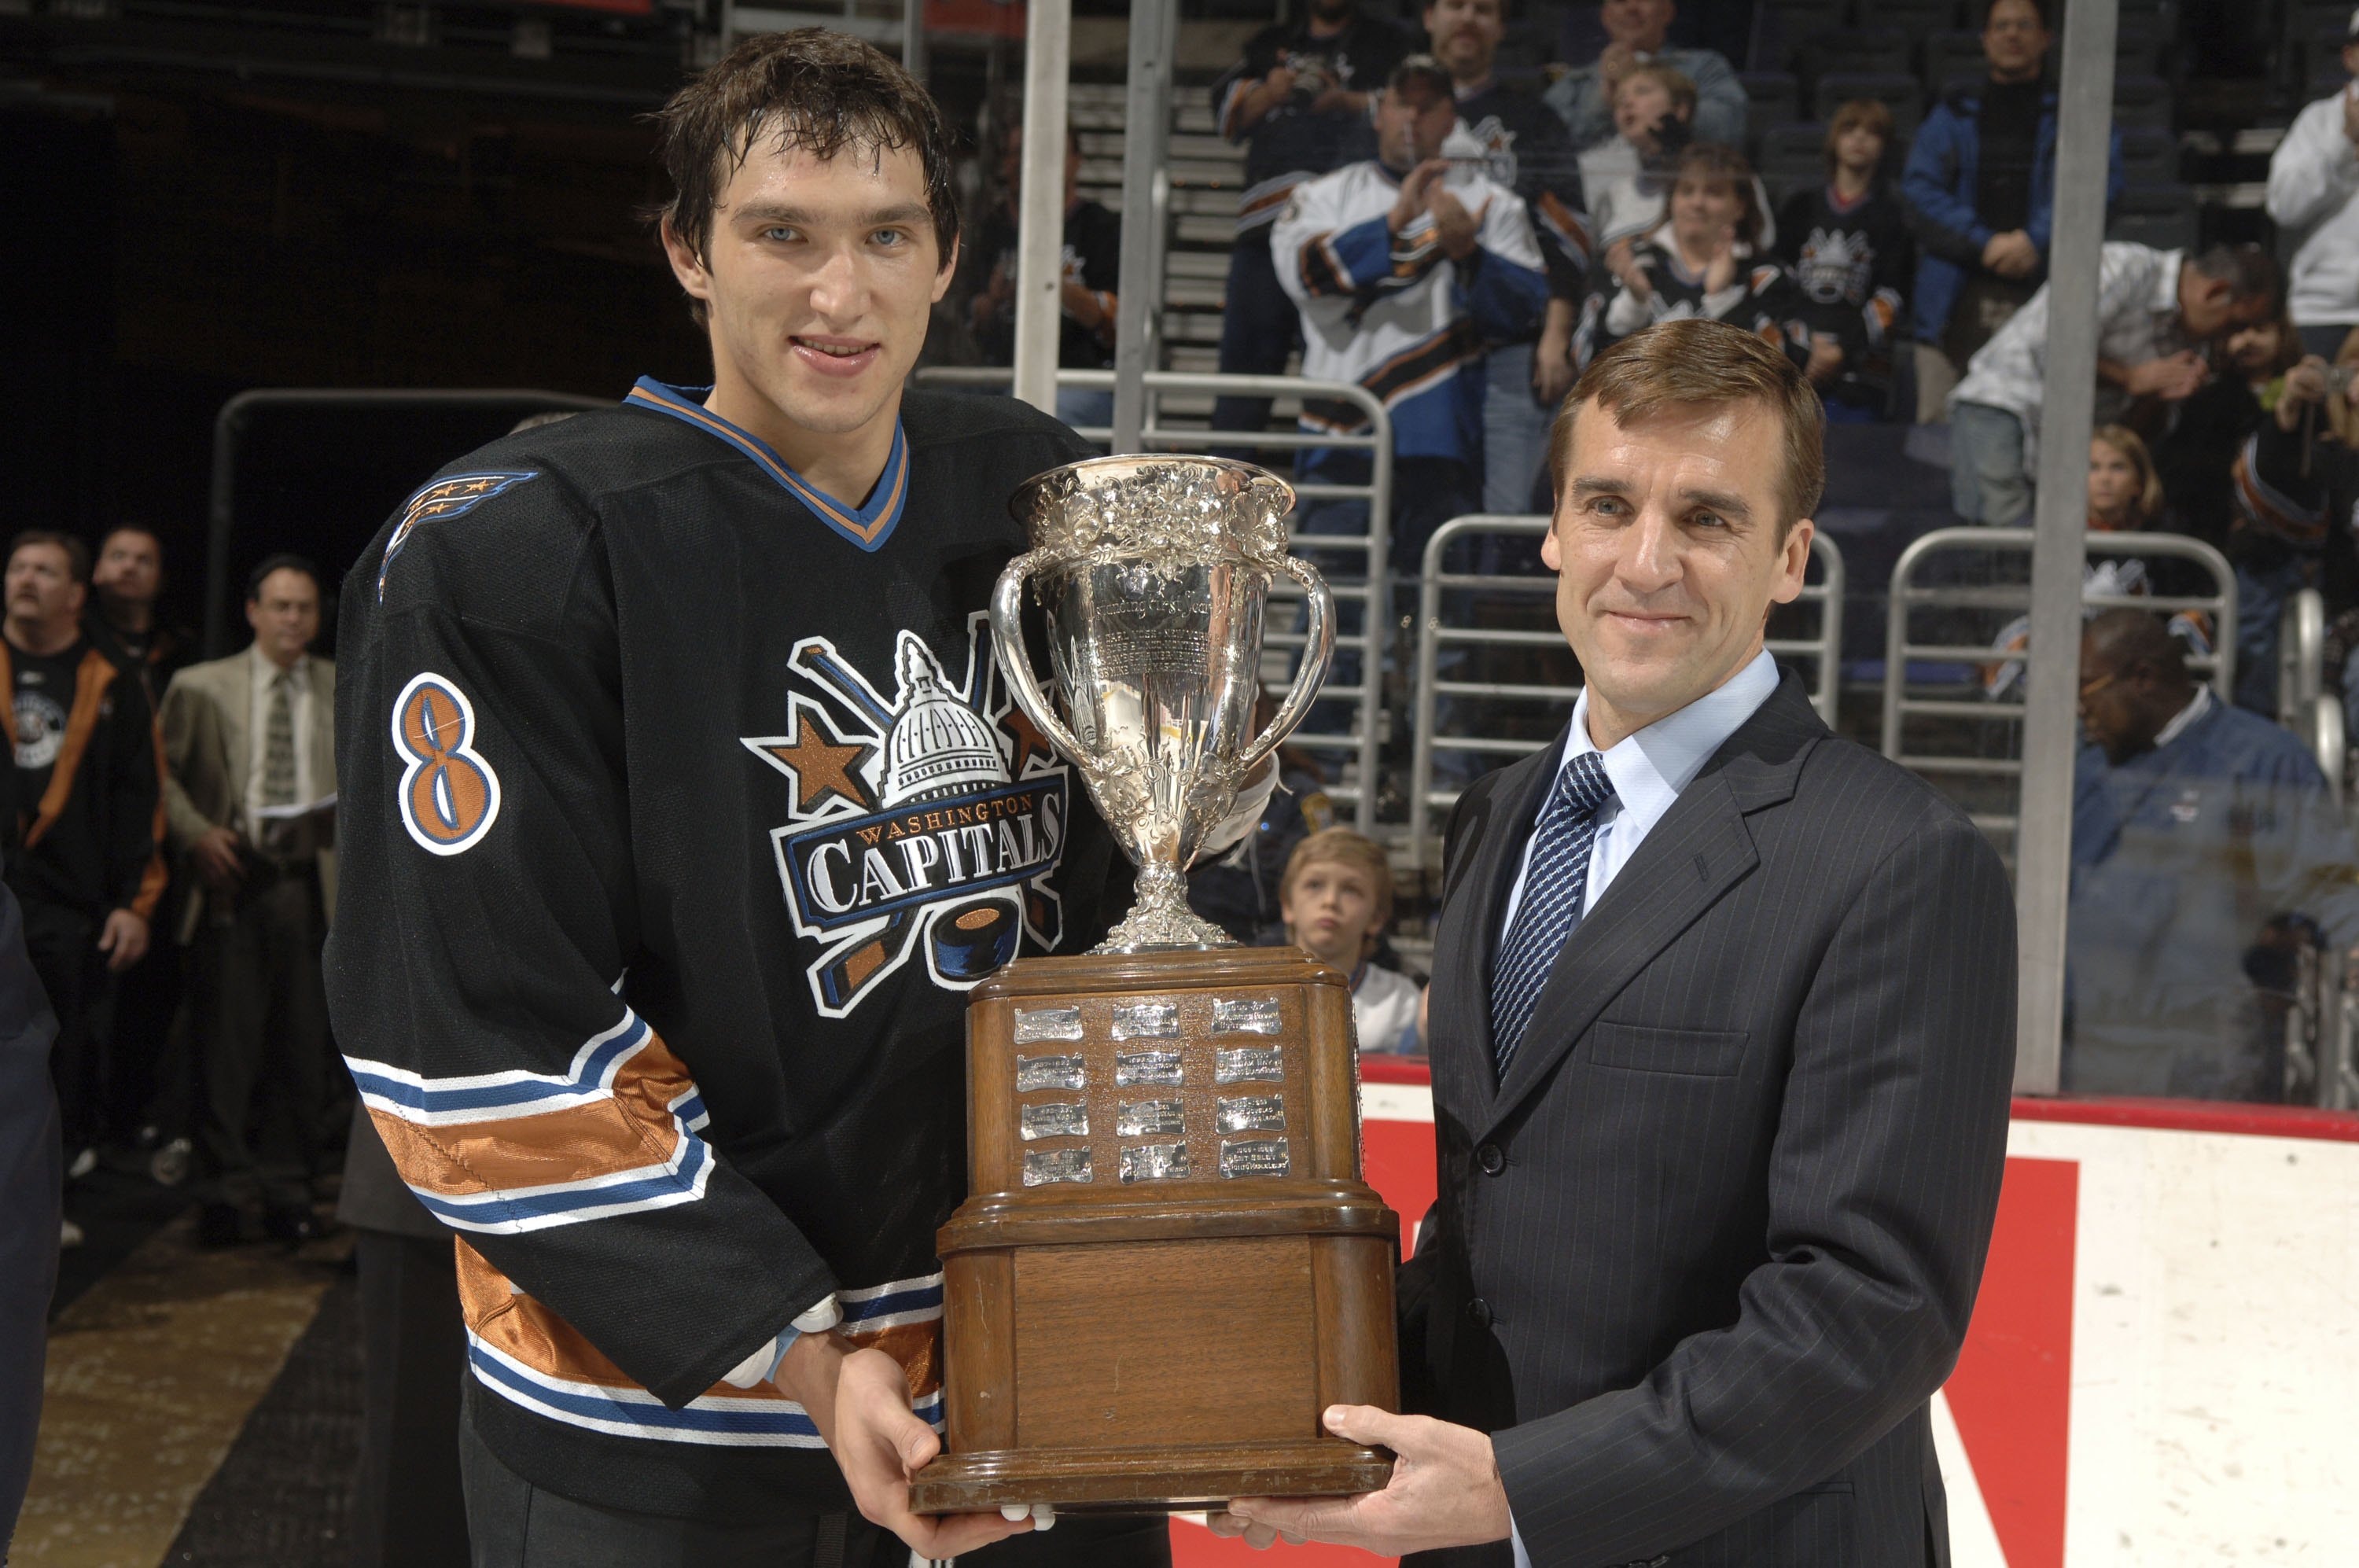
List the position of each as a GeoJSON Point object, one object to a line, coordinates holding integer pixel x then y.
{"type": "Point", "coordinates": [1702, 1258]}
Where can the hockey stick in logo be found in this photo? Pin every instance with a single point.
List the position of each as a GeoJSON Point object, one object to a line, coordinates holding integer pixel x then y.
{"type": "Point", "coordinates": [841, 977]}
{"type": "Point", "coordinates": [817, 660]}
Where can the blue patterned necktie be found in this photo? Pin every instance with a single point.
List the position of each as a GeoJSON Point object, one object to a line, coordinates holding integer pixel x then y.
{"type": "Point", "coordinates": [1554, 883]}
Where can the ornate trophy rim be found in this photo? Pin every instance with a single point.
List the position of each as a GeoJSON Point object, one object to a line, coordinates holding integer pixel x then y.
{"type": "Point", "coordinates": [1092, 472]}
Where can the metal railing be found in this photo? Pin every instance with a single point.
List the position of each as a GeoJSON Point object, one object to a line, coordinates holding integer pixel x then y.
{"type": "Point", "coordinates": [1434, 634]}
{"type": "Point", "coordinates": [2302, 655]}
{"type": "Point", "coordinates": [1959, 697]}
{"type": "Point", "coordinates": [1353, 564]}
{"type": "Point", "coordinates": [2321, 1034]}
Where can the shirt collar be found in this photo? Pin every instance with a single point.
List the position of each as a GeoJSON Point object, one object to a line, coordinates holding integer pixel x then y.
{"type": "Point", "coordinates": [2198, 705]}
{"type": "Point", "coordinates": [265, 672]}
{"type": "Point", "coordinates": [866, 526]}
{"type": "Point", "coordinates": [1649, 769]}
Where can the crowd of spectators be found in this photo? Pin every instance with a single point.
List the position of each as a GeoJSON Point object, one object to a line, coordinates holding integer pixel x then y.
{"type": "Point", "coordinates": [170, 845]}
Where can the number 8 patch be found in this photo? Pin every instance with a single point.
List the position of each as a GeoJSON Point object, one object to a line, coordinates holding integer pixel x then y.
{"type": "Point", "coordinates": [450, 796]}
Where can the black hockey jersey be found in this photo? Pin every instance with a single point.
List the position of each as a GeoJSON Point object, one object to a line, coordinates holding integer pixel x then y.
{"type": "Point", "coordinates": [1853, 265]}
{"type": "Point", "coordinates": [1761, 298]}
{"type": "Point", "coordinates": [682, 805]}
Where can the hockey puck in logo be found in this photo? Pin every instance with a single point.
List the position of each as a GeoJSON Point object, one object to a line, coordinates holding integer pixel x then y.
{"type": "Point", "coordinates": [972, 940]}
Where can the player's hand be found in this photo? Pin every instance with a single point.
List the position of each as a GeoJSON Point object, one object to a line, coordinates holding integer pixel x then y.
{"type": "Point", "coordinates": [1338, 99]}
{"type": "Point", "coordinates": [2011, 255]}
{"type": "Point", "coordinates": [218, 865]}
{"type": "Point", "coordinates": [1445, 1491]}
{"type": "Point", "coordinates": [1614, 62]}
{"type": "Point", "coordinates": [1458, 229]}
{"type": "Point", "coordinates": [859, 1399]}
{"type": "Point", "coordinates": [1277, 85]}
{"type": "Point", "coordinates": [123, 940]}
{"type": "Point", "coordinates": [1826, 359]}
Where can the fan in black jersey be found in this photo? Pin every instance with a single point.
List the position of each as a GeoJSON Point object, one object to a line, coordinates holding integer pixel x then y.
{"type": "Point", "coordinates": [1847, 245]}
{"type": "Point", "coordinates": [683, 804]}
{"type": "Point", "coordinates": [1705, 261]}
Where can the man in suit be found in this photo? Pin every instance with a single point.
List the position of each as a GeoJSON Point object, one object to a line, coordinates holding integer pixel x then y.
{"type": "Point", "coordinates": [1721, 1031]}
{"type": "Point", "coordinates": [249, 745]}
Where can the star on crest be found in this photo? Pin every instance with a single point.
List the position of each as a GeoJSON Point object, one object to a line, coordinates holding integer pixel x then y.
{"type": "Point", "coordinates": [1029, 741]}
{"type": "Point", "coordinates": [823, 764]}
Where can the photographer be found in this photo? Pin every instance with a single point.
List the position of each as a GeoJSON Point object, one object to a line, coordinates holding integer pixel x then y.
{"type": "Point", "coordinates": [1300, 103]}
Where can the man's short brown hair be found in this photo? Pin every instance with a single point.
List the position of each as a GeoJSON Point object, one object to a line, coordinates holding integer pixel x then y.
{"type": "Point", "coordinates": [77, 552]}
{"type": "Point", "coordinates": [1694, 364]}
{"type": "Point", "coordinates": [822, 91]}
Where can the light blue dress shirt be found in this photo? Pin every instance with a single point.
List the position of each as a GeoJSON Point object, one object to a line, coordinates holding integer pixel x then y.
{"type": "Point", "coordinates": [1648, 770]}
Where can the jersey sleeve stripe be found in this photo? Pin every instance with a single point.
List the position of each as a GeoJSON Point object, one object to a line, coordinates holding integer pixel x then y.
{"type": "Point", "coordinates": [512, 1152]}
{"type": "Point", "coordinates": [523, 1351]}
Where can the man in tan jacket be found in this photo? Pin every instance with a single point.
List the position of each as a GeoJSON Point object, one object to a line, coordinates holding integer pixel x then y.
{"type": "Point", "coordinates": [249, 744]}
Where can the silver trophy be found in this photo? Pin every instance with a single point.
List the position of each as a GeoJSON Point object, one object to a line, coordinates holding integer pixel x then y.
{"type": "Point", "coordinates": [1155, 572]}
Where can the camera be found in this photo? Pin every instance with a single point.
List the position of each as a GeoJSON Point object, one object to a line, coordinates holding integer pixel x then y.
{"type": "Point", "coordinates": [2338, 379]}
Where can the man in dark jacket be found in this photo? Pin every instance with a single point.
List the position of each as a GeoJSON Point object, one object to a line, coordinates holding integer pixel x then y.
{"type": "Point", "coordinates": [87, 786]}
{"type": "Point", "coordinates": [1981, 194]}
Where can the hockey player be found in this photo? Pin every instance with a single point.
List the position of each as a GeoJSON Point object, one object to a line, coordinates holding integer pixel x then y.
{"type": "Point", "coordinates": [682, 805]}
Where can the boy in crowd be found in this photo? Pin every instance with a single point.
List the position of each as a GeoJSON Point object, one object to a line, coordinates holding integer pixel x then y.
{"type": "Point", "coordinates": [1847, 245]}
{"type": "Point", "coordinates": [644, 1000]}
{"type": "Point", "coordinates": [1337, 899]}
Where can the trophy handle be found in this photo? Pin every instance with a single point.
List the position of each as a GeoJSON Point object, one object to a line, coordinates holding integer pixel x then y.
{"type": "Point", "coordinates": [1318, 653]}
{"type": "Point", "coordinates": [1007, 632]}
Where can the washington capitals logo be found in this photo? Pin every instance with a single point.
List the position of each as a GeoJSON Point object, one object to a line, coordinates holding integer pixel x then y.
{"type": "Point", "coordinates": [451, 497]}
{"type": "Point", "coordinates": [930, 821]}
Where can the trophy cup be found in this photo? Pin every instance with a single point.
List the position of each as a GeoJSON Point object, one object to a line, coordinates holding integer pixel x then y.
{"type": "Point", "coordinates": [1170, 1265]}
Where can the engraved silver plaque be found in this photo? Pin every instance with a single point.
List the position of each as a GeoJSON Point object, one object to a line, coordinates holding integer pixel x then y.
{"type": "Point", "coordinates": [1245, 1015]}
{"type": "Point", "coordinates": [1154, 1163]}
{"type": "Point", "coordinates": [1146, 1021]}
{"type": "Point", "coordinates": [1034, 1072]}
{"type": "Point", "coordinates": [1147, 1118]}
{"type": "Point", "coordinates": [1250, 1157]}
{"type": "Point", "coordinates": [1249, 1065]}
{"type": "Point", "coordinates": [1034, 1025]}
{"type": "Point", "coordinates": [1056, 1118]}
{"type": "Point", "coordinates": [1251, 1112]}
{"type": "Point", "coordinates": [1158, 1069]}
{"type": "Point", "coordinates": [1155, 572]}
{"type": "Point", "coordinates": [1043, 1166]}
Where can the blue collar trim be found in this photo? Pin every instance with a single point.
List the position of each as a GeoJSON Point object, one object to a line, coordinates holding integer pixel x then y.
{"type": "Point", "coordinates": [868, 526]}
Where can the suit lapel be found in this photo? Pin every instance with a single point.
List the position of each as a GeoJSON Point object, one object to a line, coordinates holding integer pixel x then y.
{"type": "Point", "coordinates": [323, 727]}
{"type": "Point", "coordinates": [1462, 963]}
{"type": "Point", "coordinates": [237, 722]}
{"type": "Point", "coordinates": [1699, 851]}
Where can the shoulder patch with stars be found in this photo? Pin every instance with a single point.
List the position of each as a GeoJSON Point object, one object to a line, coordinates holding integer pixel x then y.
{"type": "Point", "coordinates": [443, 499]}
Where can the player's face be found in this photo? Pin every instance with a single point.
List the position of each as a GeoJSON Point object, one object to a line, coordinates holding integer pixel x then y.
{"type": "Point", "coordinates": [818, 280]}
{"type": "Point", "coordinates": [1665, 544]}
{"type": "Point", "coordinates": [41, 587]}
{"type": "Point", "coordinates": [1641, 24]}
{"type": "Point", "coordinates": [130, 568]}
{"type": "Point", "coordinates": [1640, 104]}
{"type": "Point", "coordinates": [1704, 210]}
{"type": "Point", "coordinates": [1859, 149]}
{"type": "Point", "coordinates": [285, 615]}
{"type": "Point", "coordinates": [2015, 40]}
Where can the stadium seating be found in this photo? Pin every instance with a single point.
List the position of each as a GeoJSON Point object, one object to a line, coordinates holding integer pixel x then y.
{"type": "Point", "coordinates": [2141, 101]}
{"type": "Point", "coordinates": [1901, 93]}
{"type": "Point", "coordinates": [2149, 156]}
{"type": "Point", "coordinates": [1856, 50]}
{"type": "Point", "coordinates": [1771, 98]}
{"type": "Point", "coordinates": [1954, 57]}
{"type": "Point", "coordinates": [1793, 158]}
{"type": "Point", "coordinates": [2161, 215]}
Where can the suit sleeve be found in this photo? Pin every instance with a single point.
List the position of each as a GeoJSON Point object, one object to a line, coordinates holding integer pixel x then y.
{"type": "Point", "coordinates": [1882, 1185]}
{"type": "Point", "coordinates": [477, 990]}
{"type": "Point", "coordinates": [186, 716]}
{"type": "Point", "coordinates": [135, 818]}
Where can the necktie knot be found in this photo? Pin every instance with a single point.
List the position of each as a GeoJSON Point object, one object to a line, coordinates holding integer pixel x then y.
{"type": "Point", "coordinates": [1581, 785]}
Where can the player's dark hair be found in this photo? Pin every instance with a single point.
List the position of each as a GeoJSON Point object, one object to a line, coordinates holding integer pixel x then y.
{"type": "Point", "coordinates": [147, 528]}
{"type": "Point", "coordinates": [77, 552]}
{"type": "Point", "coordinates": [2250, 272]}
{"type": "Point", "coordinates": [1421, 70]}
{"type": "Point", "coordinates": [823, 93]}
{"type": "Point", "coordinates": [285, 560]}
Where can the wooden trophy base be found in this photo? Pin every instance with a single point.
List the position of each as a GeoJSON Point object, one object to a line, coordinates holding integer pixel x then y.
{"type": "Point", "coordinates": [1152, 1296]}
